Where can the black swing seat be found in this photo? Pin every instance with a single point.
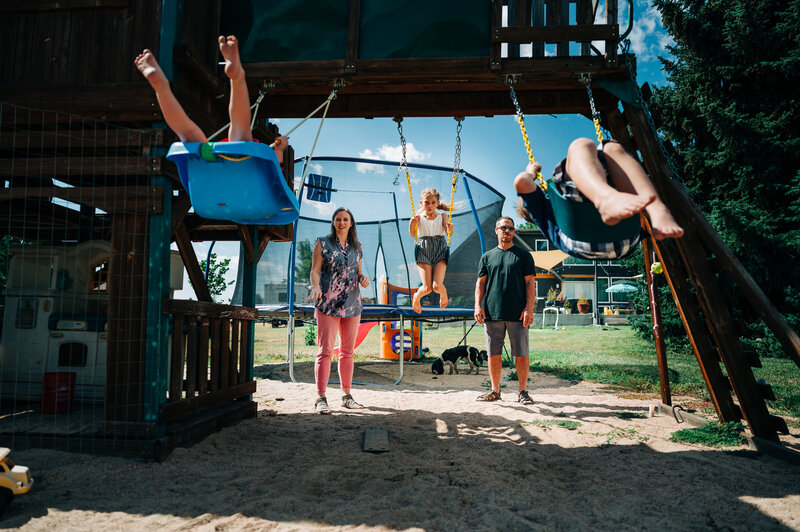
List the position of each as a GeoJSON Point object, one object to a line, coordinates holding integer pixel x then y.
{"type": "Point", "coordinates": [581, 221]}
{"type": "Point", "coordinates": [237, 181]}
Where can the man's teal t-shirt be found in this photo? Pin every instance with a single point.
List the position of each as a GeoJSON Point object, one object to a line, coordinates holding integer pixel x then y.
{"type": "Point", "coordinates": [505, 270]}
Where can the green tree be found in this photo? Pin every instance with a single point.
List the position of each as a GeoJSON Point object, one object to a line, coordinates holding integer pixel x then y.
{"type": "Point", "coordinates": [216, 275]}
{"type": "Point", "coordinates": [732, 113]}
{"type": "Point", "coordinates": [302, 270]}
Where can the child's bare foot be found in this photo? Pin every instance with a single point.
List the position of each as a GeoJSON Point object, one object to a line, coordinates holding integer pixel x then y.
{"type": "Point", "coordinates": [148, 66]}
{"type": "Point", "coordinates": [229, 47]}
{"type": "Point", "coordinates": [616, 206]}
{"type": "Point", "coordinates": [662, 223]}
{"type": "Point", "coordinates": [415, 302]}
{"type": "Point", "coordinates": [443, 298]}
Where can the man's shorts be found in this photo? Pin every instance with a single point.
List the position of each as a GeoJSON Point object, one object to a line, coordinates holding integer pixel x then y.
{"type": "Point", "coordinates": [495, 334]}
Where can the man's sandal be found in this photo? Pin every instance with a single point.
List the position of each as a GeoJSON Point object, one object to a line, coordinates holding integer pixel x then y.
{"type": "Point", "coordinates": [349, 402]}
{"type": "Point", "coordinates": [321, 406]}
{"type": "Point", "coordinates": [524, 398]}
{"type": "Point", "coordinates": [489, 396]}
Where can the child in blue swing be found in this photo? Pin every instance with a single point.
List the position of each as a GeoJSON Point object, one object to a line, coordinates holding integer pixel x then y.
{"type": "Point", "coordinates": [238, 108]}
{"type": "Point", "coordinates": [612, 180]}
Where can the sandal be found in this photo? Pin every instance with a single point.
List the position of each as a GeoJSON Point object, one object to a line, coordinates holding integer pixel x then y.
{"type": "Point", "coordinates": [321, 406]}
{"type": "Point", "coordinates": [349, 402]}
{"type": "Point", "coordinates": [489, 396]}
{"type": "Point", "coordinates": [524, 398]}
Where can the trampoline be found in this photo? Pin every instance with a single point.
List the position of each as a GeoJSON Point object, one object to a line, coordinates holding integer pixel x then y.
{"type": "Point", "coordinates": [379, 200]}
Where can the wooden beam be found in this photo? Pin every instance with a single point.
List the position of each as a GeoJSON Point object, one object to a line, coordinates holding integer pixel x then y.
{"type": "Point", "coordinates": [123, 165]}
{"type": "Point", "coordinates": [83, 139]}
{"type": "Point", "coordinates": [655, 310]}
{"type": "Point", "coordinates": [57, 5]}
{"type": "Point", "coordinates": [247, 244]}
{"type": "Point", "coordinates": [353, 25]}
{"type": "Point", "coordinates": [557, 33]}
{"type": "Point", "coordinates": [189, 258]}
{"type": "Point", "coordinates": [128, 200]}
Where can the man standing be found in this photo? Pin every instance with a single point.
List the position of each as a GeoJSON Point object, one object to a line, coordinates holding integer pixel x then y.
{"type": "Point", "coordinates": [504, 298]}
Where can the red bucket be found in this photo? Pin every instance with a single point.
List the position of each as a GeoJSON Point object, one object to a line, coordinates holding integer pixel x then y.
{"type": "Point", "coordinates": [58, 390]}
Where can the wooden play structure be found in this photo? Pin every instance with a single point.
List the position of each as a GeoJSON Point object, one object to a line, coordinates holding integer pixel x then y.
{"type": "Point", "coordinates": [83, 157]}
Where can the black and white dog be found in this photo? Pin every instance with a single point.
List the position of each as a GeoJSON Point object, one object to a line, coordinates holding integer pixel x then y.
{"type": "Point", "coordinates": [454, 354]}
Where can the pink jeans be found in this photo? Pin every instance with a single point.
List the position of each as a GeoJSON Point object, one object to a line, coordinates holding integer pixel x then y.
{"type": "Point", "coordinates": [327, 327]}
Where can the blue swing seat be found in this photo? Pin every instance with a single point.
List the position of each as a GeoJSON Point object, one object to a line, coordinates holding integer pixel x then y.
{"type": "Point", "coordinates": [250, 191]}
{"type": "Point", "coordinates": [581, 221]}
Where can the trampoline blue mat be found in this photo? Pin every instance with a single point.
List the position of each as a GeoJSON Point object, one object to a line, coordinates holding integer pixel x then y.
{"type": "Point", "coordinates": [374, 312]}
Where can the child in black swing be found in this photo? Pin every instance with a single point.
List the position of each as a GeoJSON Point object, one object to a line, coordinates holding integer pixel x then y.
{"type": "Point", "coordinates": [238, 108]}
{"type": "Point", "coordinates": [612, 180]}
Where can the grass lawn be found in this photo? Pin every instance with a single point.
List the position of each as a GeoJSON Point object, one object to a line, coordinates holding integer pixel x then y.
{"type": "Point", "coordinates": [613, 355]}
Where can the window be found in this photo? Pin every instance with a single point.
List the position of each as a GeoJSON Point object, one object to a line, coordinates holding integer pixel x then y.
{"type": "Point", "coordinates": [578, 289]}
{"type": "Point", "coordinates": [602, 295]}
{"type": "Point", "coordinates": [72, 354]}
{"type": "Point", "coordinates": [541, 245]}
{"type": "Point", "coordinates": [27, 308]}
{"type": "Point", "coordinates": [98, 282]}
{"type": "Point", "coordinates": [576, 260]}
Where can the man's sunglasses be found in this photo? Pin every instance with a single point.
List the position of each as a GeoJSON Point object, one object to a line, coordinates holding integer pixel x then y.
{"type": "Point", "coordinates": [506, 228]}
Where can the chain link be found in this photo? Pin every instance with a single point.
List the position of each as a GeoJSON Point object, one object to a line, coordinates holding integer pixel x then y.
{"type": "Point", "coordinates": [456, 170]}
{"type": "Point", "coordinates": [521, 121]}
{"type": "Point", "coordinates": [640, 100]}
{"type": "Point", "coordinates": [595, 115]}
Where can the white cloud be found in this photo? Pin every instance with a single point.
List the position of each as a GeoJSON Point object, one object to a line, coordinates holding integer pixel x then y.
{"type": "Point", "coordinates": [389, 153]}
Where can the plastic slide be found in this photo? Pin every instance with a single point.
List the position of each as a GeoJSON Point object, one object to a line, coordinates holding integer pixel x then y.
{"type": "Point", "coordinates": [363, 329]}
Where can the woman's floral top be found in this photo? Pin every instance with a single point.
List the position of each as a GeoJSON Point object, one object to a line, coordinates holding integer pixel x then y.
{"type": "Point", "coordinates": [341, 295]}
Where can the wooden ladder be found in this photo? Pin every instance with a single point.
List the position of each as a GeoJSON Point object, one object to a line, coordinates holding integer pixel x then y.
{"type": "Point", "coordinates": [692, 266]}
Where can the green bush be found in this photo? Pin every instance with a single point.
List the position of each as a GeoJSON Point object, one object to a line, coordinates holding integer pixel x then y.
{"type": "Point", "coordinates": [310, 335]}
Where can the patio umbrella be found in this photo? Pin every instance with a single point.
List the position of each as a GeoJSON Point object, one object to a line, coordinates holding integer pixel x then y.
{"type": "Point", "coordinates": [621, 288]}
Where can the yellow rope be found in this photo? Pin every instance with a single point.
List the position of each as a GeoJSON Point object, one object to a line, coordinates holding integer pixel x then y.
{"type": "Point", "coordinates": [450, 217]}
{"type": "Point", "coordinates": [235, 159]}
{"type": "Point", "coordinates": [411, 199]}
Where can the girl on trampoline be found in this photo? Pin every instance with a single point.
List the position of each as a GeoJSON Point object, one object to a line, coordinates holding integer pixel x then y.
{"type": "Point", "coordinates": [431, 251]}
{"type": "Point", "coordinates": [238, 108]}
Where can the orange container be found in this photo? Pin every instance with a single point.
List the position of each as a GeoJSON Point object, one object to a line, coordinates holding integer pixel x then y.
{"type": "Point", "coordinates": [58, 390]}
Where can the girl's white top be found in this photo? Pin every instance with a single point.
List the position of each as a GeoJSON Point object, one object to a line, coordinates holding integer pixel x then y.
{"type": "Point", "coordinates": [433, 227]}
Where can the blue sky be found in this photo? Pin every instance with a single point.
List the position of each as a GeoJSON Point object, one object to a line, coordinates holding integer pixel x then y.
{"type": "Point", "coordinates": [492, 148]}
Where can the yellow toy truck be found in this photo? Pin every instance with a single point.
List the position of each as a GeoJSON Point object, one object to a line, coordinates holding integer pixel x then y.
{"type": "Point", "coordinates": [14, 480]}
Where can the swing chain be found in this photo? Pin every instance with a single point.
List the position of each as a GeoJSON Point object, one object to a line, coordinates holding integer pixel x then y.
{"type": "Point", "coordinates": [404, 165]}
{"type": "Point", "coordinates": [625, 45]}
{"type": "Point", "coordinates": [456, 170]}
{"type": "Point", "coordinates": [586, 79]}
{"type": "Point", "coordinates": [521, 120]}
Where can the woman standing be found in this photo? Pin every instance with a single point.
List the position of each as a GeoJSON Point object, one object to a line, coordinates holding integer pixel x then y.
{"type": "Point", "coordinates": [335, 279]}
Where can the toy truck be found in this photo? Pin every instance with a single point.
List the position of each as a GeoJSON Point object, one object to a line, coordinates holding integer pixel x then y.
{"type": "Point", "coordinates": [14, 480]}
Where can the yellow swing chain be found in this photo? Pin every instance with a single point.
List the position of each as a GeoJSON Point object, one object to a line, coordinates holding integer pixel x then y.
{"type": "Point", "coordinates": [456, 170]}
{"type": "Point", "coordinates": [521, 119]}
{"type": "Point", "coordinates": [404, 166]}
{"type": "Point", "coordinates": [586, 79]}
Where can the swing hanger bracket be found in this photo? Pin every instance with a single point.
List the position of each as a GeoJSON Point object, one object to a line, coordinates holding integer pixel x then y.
{"type": "Point", "coordinates": [338, 83]}
{"type": "Point", "coordinates": [269, 84]}
{"type": "Point", "coordinates": [510, 79]}
{"type": "Point", "coordinates": [584, 77]}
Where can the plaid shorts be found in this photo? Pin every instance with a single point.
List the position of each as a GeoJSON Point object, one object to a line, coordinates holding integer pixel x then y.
{"type": "Point", "coordinates": [590, 250]}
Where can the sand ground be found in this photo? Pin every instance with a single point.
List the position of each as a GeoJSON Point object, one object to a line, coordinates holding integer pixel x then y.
{"type": "Point", "coordinates": [452, 464]}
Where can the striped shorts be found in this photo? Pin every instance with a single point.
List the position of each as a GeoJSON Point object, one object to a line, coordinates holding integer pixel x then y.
{"type": "Point", "coordinates": [431, 250]}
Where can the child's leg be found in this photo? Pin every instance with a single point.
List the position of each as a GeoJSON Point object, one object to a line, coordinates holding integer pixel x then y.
{"type": "Point", "coordinates": [175, 116]}
{"type": "Point", "coordinates": [585, 170]}
{"type": "Point", "coordinates": [426, 275]}
{"type": "Point", "coordinates": [438, 282]}
{"type": "Point", "coordinates": [239, 106]}
{"type": "Point", "coordinates": [629, 176]}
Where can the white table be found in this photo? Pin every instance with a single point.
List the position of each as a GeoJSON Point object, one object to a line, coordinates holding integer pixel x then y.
{"type": "Point", "coordinates": [551, 309]}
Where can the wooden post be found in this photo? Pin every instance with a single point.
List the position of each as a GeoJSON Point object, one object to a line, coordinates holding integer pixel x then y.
{"type": "Point", "coordinates": [655, 309]}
